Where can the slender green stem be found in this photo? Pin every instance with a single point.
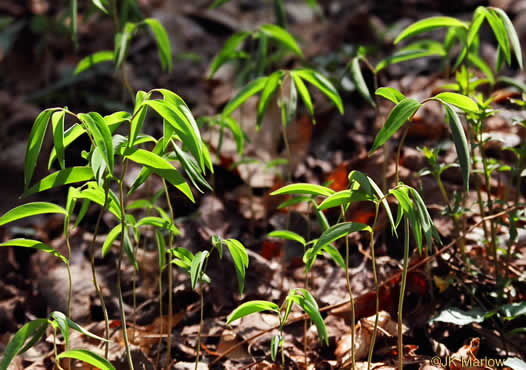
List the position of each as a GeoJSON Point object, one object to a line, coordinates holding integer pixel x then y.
{"type": "Point", "coordinates": [398, 152]}
{"type": "Point", "coordinates": [119, 265]}
{"type": "Point", "coordinates": [55, 351]}
{"type": "Point", "coordinates": [93, 273]}
{"type": "Point", "coordinates": [513, 214]}
{"type": "Point", "coordinates": [402, 294]}
{"type": "Point", "coordinates": [377, 289]}
{"type": "Point", "coordinates": [161, 324]}
{"type": "Point", "coordinates": [170, 277]}
{"type": "Point", "coordinates": [201, 320]}
{"type": "Point", "coordinates": [70, 282]}
{"type": "Point", "coordinates": [351, 297]}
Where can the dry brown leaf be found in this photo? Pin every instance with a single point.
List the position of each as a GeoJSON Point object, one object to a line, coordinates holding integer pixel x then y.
{"type": "Point", "coordinates": [229, 339]}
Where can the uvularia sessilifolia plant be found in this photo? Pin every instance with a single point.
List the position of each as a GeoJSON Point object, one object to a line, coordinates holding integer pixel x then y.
{"type": "Point", "coordinates": [106, 164]}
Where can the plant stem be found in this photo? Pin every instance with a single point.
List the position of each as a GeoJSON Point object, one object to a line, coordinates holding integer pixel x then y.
{"type": "Point", "coordinates": [198, 346]}
{"type": "Point", "coordinates": [119, 265]}
{"type": "Point", "coordinates": [94, 275]}
{"type": "Point", "coordinates": [170, 277]}
{"type": "Point", "coordinates": [377, 289]}
{"type": "Point", "coordinates": [351, 297]}
{"type": "Point", "coordinates": [398, 152]}
{"type": "Point", "coordinates": [402, 293]}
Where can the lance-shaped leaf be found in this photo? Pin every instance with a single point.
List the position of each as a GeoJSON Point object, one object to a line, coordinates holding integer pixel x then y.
{"type": "Point", "coordinates": [276, 343]}
{"type": "Point", "coordinates": [359, 81]}
{"type": "Point", "coordinates": [159, 223]}
{"type": "Point", "coordinates": [289, 235]}
{"type": "Point", "coordinates": [322, 84]}
{"type": "Point", "coordinates": [62, 177]}
{"type": "Point", "coordinates": [35, 244]}
{"type": "Point", "coordinates": [402, 112]}
{"type": "Point", "coordinates": [483, 66]}
{"type": "Point", "coordinates": [345, 197]}
{"type": "Point", "coordinates": [196, 270]}
{"type": "Point", "coordinates": [191, 168]}
{"type": "Point", "coordinates": [252, 88]}
{"type": "Point", "coordinates": [429, 24]}
{"type": "Point", "coordinates": [458, 100]}
{"type": "Point", "coordinates": [95, 58]}
{"type": "Point", "coordinates": [30, 209]}
{"type": "Point", "coordinates": [419, 49]}
{"type": "Point", "coordinates": [304, 188]}
{"type": "Point", "coordinates": [34, 143]}
{"type": "Point", "coordinates": [122, 40]}
{"type": "Point", "coordinates": [334, 233]}
{"type": "Point", "coordinates": [478, 18]}
{"type": "Point", "coordinates": [281, 35]}
{"type": "Point", "coordinates": [499, 30]}
{"type": "Point", "coordinates": [251, 307]}
{"type": "Point", "coordinates": [512, 34]}
{"type": "Point", "coordinates": [272, 84]}
{"type": "Point", "coordinates": [228, 52]}
{"type": "Point", "coordinates": [240, 257]}
{"type": "Point", "coordinates": [461, 143]}
{"type": "Point", "coordinates": [161, 167]}
{"type": "Point", "coordinates": [101, 136]}
{"type": "Point", "coordinates": [304, 93]}
{"type": "Point", "coordinates": [407, 209]}
{"type": "Point", "coordinates": [110, 239]}
{"type": "Point", "coordinates": [29, 334]}
{"type": "Point", "coordinates": [390, 94]}
{"type": "Point", "coordinates": [57, 122]}
{"type": "Point", "coordinates": [103, 5]}
{"type": "Point", "coordinates": [70, 135]}
{"type": "Point", "coordinates": [309, 305]}
{"type": "Point", "coordinates": [425, 220]}
{"type": "Point", "coordinates": [96, 194]}
{"type": "Point", "coordinates": [165, 51]}
{"type": "Point", "coordinates": [88, 357]}
{"type": "Point", "coordinates": [139, 114]}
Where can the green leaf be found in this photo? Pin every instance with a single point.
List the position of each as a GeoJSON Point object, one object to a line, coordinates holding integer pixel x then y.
{"type": "Point", "coordinates": [161, 167]}
{"type": "Point", "coordinates": [334, 233]}
{"type": "Point", "coordinates": [483, 66]}
{"type": "Point", "coordinates": [419, 49]}
{"type": "Point", "coordinates": [196, 270]}
{"type": "Point", "coordinates": [461, 143]}
{"type": "Point", "coordinates": [191, 168]}
{"type": "Point", "coordinates": [159, 223]}
{"type": "Point", "coordinates": [122, 40]}
{"type": "Point", "coordinates": [96, 194]}
{"type": "Point", "coordinates": [62, 323]}
{"type": "Point", "coordinates": [243, 94]}
{"type": "Point", "coordinates": [322, 84]}
{"type": "Point", "coordinates": [34, 143]}
{"type": "Point", "coordinates": [424, 219]}
{"type": "Point", "coordinates": [478, 18]}
{"type": "Point", "coordinates": [304, 93]}
{"type": "Point", "coordinates": [289, 235]}
{"type": "Point", "coordinates": [429, 24]}
{"type": "Point", "coordinates": [101, 136]}
{"type": "Point", "coordinates": [62, 177]}
{"type": "Point", "coordinates": [57, 121]}
{"type": "Point", "coordinates": [304, 188]}
{"type": "Point", "coordinates": [512, 34]}
{"type": "Point", "coordinates": [276, 343]}
{"type": "Point", "coordinates": [88, 357]}
{"type": "Point", "coordinates": [273, 81]}
{"type": "Point", "coordinates": [381, 196]}
{"type": "Point", "coordinates": [345, 197]}
{"type": "Point", "coordinates": [237, 132]}
{"type": "Point", "coordinates": [30, 209]}
{"type": "Point", "coordinates": [359, 81]}
{"type": "Point", "coordinates": [458, 100]}
{"type": "Point", "coordinates": [240, 257]}
{"type": "Point", "coordinates": [407, 208]}
{"type": "Point", "coordinates": [513, 310]}
{"type": "Point", "coordinates": [161, 248]}
{"type": "Point", "coordinates": [281, 35]}
{"type": "Point", "coordinates": [35, 244]}
{"type": "Point", "coordinates": [402, 112]}
{"type": "Point", "coordinates": [335, 255]}
{"type": "Point", "coordinates": [390, 94]}
{"type": "Point", "coordinates": [228, 52]}
{"type": "Point", "coordinates": [110, 239]}
{"type": "Point", "coordinates": [102, 5]}
{"type": "Point", "coordinates": [309, 305]}
{"type": "Point", "coordinates": [70, 136]}
{"type": "Point", "coordinates": [95, 58]}
{"type": "Point", "coordinates": [459, 317]}
{"type": "Point", "coordinates": [251, 307]}
{"type": "Point", "coordinates": [218, 3]}
{"type": "Point", "coordinates": [128, 248]}
{"type": "Point", "coordinates": [499, 30]}
{"type": "Point", "coordinates": [74, 23]}
{"type": "Point", "coordinates": [31, 333]}
{"type": "Point", "coordinates": [165, 51]}
{"type": "Point", "coordinates": [139, 115]}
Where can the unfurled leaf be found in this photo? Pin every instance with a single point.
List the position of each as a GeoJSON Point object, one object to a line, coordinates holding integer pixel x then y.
{"type": "Point", "coordinates": [240, 257]}
{"type": "Point", "coordinates": [390, 94]}
{"type": "Point", "coordinates": [252, 88]}
{"type": "Point", "coordinates": [62, 177]}
{"type": "Point", "coordinates": [321, 83]}
{"type": "Point", "coordinates": [191, 168]}
{"type": "Point", "coordinates": [139, 115]}
{"type": "Point", "coordinates": [429, 24]}
{"type": "Point", "coordinates": [35, 244]}
{"type": "Point", "coordinates": [196, 270]}
{"type": "Point", "coordinates": [24, 339]}
{"type": "Point", "coordinates": [70, 135]}
{"type": "Point", "coordinates": [228, 52]}
{"type": "Point", "coordinates": [458, 100]}
{"type": "Point", "coordinates": [512, 34]}
{"type": "Point", "coordinates": [513, 310]}
{"type": "Point", "coordinates": [279, 34]}
{"type": "Point", "coordinates": [461, 143]}
{"type": "Point", "coordinates": [102, 5]}
{"type": "Point", "coordinates": [101, 136]}
{"type": "Point", "coordinates": [165, 51]}
{"type": "Point", "coordinates": [419, 49]}
{"type": "Point", "coordinates": [110, 239]}
{"type": "Point", "coordinates": [34, 144]}
{"type": "Point", "coordinates": [309, 305]}
{"type": "Point", "coordinates": [478, 18]}
{"type": "Point", "coordinates": [275, 344]}
{"type": "Point", "coordinates": [304, 93]}
{"type": "Point", "coordinates": [122, 40]}
{"type": "Point", "coordinates": [251, 307]}
{"type": "Point", "coordinates": [402, 112]}
{"type": "Point", "coordinates": [57, 122]}
{"type": "Point", "coordinates": [359, 81]}
{"type": "Point", "coordinates": [304, 188]}
{"type": "Point", "coordinates": [483, 66]}
{"type": "Point", "coordinates": [289, 235]}
{"type": "Point", "coordinates": [158, 223]}
{"type": "Point", "coordinates": [87, 357]}
{"type": "Point", "coordinates": [273, 81]}
{"type": "Point", "coordinates": [161, 167]}
{"type": "Point", "coordinates": [345, 197]}
{"type": "Point", "coordinates": [499, 30]}
{"type": "Point", "coordinates": [30, 209]}
{"type": "Point", "coordinates": [95, 58]}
